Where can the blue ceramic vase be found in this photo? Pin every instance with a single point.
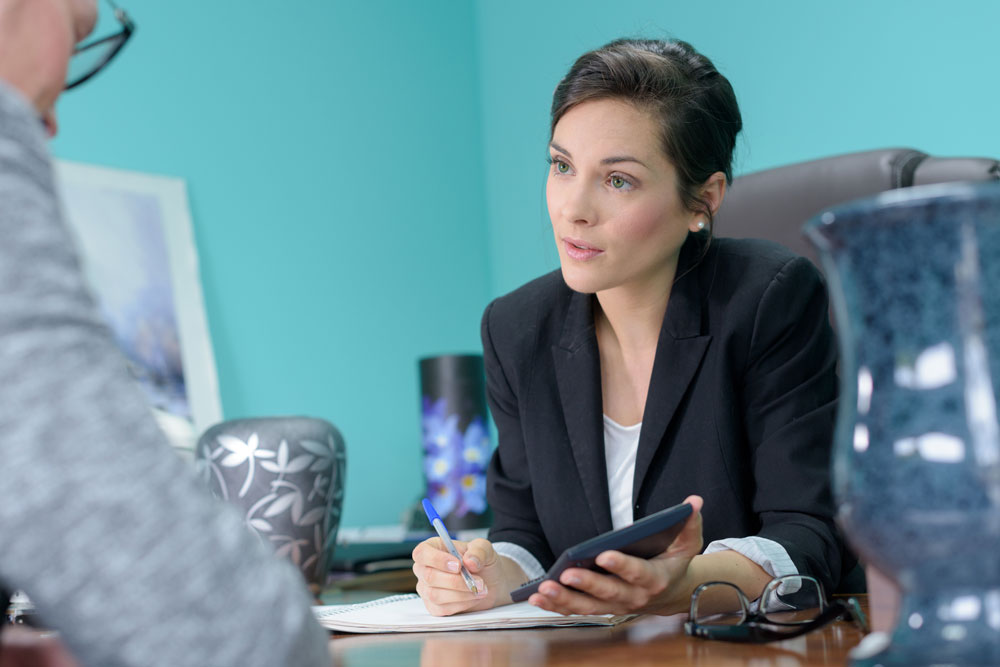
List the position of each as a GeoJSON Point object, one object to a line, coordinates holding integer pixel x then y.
{"type": "Point", "coordinates": [914, 277]}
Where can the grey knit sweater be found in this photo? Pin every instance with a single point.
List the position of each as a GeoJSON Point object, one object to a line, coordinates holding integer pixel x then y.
{"type": "Point", "coordinates": [101, 524]}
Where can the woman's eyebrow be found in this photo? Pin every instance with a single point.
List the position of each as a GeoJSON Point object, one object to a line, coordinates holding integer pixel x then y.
{"type": "Point", "coordinates": [560, 149]}
{"type": "Point", "coordinates": [614, 159]}
{"type": "Point", "coordinates": [623, 158]}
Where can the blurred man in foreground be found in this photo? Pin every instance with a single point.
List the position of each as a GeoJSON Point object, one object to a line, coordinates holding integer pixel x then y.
{"type": "Point", "coordinates": [101, 524]}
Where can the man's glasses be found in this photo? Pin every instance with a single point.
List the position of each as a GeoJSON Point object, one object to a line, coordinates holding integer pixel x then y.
{"type": "Point", "coordinates": [789, 606]}
{"type": "Point", "coordinates": [90, 58]}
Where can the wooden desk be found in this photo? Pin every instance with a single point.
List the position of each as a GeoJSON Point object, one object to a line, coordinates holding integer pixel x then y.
{"type": "Point", "coordinates": [650, 640]}
{"type": "Point", "coordinates": [646, 641]}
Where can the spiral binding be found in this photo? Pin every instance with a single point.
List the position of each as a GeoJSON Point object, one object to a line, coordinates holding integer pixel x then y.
{"type": "Point", "coordinates": [366, 605]}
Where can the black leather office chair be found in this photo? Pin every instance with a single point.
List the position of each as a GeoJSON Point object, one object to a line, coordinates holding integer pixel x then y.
{"type": "Point", "coordinates": [775, 203]}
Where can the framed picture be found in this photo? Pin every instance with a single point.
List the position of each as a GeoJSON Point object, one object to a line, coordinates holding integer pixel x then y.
{"type": "Point", "coordinates": [135, 239]}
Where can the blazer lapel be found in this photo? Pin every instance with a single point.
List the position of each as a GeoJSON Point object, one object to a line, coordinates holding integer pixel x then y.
{"type": "Point", "coordinates": [578, 374]}
{"type": "Point", "coordinates": [679, 352]}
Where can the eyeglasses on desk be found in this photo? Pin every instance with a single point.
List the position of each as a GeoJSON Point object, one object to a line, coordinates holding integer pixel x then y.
{"type": "Point", "coordinates": [790, 606]}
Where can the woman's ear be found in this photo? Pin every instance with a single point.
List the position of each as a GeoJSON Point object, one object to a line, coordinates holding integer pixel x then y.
{"type": "Point", "coordinates": [713, 191]}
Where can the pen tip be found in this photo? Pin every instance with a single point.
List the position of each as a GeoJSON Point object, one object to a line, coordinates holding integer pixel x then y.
{"type": "Point", "coordinates": [428, 508]}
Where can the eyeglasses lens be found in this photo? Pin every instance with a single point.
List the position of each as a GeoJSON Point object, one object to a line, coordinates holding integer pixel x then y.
{"type": "Point", "coordinates": [719, 604]}
{"type": "Point", "coordinates": [792, 600]}
{"type": "Point", "coordinates": [91, 58]}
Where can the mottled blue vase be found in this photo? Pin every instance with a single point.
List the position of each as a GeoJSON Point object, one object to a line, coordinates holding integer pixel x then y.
{"type": "Point", "coordinates": [914, 276]}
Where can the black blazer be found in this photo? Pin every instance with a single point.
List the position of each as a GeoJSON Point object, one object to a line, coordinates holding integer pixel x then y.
{"type": "Point", "coordinates": [740, 408]}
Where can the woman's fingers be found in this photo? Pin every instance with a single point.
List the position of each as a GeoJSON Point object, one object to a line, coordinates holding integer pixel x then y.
{"type": "Point", "coordinates": [447, 594]}
{"type": "Point", "coordinates": [479, 555]}
{"type": "Point", "coordinates": [633, 581]}
{"type": "Point", "coordinates": [631, 584]}
{"type": "Point", "coordinates": [439, 569]}
{"type": "Point", "coordinates": [439, 582]}
{"type": "Point", "coordinates": [690, 541]}
{"type": "Point", "coordinates": [632, 570]}
{"type": "Point", "coordinates": [431, 552]}
{"type": "Point", "coordinates": [437, 579]}
{"type": "Point", "coordinates": [554, 597]}
{"type": "Point", "coordinates": [451, 598]}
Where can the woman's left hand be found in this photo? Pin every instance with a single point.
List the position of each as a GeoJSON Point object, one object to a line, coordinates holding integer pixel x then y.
{"type": "Point", "coordinates": [634, 585]}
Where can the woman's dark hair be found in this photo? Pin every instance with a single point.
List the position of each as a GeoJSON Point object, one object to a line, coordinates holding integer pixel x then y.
{"type": "Point", "coordinates": [694, 104]}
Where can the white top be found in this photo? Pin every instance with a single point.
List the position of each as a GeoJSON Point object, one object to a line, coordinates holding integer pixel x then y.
{"type": "Point", "coordinates": [620, 446]}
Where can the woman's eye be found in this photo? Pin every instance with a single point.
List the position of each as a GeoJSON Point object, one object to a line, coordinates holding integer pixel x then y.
{"type": "Point", "coordinates": [619, 182]}
{"type": "Point", "coordinates": [562, 167]}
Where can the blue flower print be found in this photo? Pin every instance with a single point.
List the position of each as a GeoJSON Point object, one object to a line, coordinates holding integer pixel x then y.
{"type": "Point", "coordinates": [454, 461]}
{"type": "Point", "coordinates": [439, 466]}
{"type": "Point", "coordinates": [444, 498]}
{"type": "Point", "coordinates": [473, 492]}
{"type": "Point", "coordinates": [440, 428]}
{"type": "Point", "coordinates": [475, 445]}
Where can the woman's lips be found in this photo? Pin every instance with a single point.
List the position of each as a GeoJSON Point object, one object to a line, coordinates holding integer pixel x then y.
{"type": "Point", "coordinates": [579, 250]}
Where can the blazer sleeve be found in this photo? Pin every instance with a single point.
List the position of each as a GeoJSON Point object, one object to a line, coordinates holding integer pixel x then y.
{"type": "Point", "coordinates": [790, 399]}
{"type": "Point", "coordinates": [508, 484]}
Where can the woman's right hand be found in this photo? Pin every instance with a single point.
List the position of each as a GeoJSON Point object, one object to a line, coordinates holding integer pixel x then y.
{"type": "Point", "coordinates": [442, 587]}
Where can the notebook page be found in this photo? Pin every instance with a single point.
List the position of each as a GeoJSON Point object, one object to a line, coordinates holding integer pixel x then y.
{"type": "Point", "coordinates": [406, 613]}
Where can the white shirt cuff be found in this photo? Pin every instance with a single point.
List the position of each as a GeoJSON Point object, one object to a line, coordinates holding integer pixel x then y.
{"type": "Point", "coordinates": [767, 553]}
{"type": "Point", "coordinates": [532, 568]}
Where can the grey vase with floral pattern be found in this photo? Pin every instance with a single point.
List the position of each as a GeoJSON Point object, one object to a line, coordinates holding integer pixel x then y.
{"type": "Point", "coordinates": [286, 474]}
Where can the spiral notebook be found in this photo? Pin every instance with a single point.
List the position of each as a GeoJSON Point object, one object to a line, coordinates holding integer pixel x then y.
{"type": "Point", "coordinates": [406, 613]}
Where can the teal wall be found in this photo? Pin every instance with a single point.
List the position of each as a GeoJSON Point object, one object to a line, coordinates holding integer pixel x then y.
{"type": "Point", "coordinates": [331, 154]}
{"type": "Point", "coordinates": [365, 176]}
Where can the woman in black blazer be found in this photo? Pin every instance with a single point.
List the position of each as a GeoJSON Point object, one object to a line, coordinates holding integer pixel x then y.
{"type": "Point", "coordinates": [659, 365]}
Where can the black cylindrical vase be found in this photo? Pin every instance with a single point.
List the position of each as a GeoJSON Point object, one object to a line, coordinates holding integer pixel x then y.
{"type": "Point", "coordinates": [456, 438]}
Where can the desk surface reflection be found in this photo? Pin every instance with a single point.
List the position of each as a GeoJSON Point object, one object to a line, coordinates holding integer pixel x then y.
{"type": "Point", "coordinates": [649, 640]}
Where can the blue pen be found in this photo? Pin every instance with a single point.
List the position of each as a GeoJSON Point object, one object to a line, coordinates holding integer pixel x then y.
{"type": "Point", "coordinates": [438, 524]}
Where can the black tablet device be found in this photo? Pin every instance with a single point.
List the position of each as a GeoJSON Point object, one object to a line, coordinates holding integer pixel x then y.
{"type": "Point", "coordinates": [647, 537]}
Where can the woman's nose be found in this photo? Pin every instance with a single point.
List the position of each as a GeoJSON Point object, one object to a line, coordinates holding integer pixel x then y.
{"type": "Point", "coordinates": [578, 204]}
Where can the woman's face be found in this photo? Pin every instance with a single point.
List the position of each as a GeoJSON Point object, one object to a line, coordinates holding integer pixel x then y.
{"type": "Point", "coordinates": [612, 196]}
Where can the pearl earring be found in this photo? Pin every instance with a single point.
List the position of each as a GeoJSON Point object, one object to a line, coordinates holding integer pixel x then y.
{"type": "Point", "coordinates": [701, 225]}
